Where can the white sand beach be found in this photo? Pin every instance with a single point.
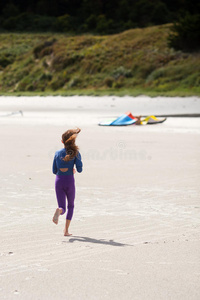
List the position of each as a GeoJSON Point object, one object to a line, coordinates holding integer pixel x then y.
{"type": "Point", "coordinates": [136, 223]}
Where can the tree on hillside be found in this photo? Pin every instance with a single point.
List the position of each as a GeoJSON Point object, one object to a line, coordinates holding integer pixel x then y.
{"type": "Point", "coordinates": [160, 13]}
{"type": "Point", "coordinates": [98, 16]}
{"type": "Point", "coordinates": [185, 34]}
{"type": "Point", "coordinates": [10, 10]}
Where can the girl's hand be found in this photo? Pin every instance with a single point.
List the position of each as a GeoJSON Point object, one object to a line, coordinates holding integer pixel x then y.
{"type": "Point", "coordinates": [74, 171]}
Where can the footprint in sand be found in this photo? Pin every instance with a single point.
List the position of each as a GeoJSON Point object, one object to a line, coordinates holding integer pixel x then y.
{"type": "Point", "coordinates": [43, 270]}
{"type": "Point", "coordinates": [16, 292]}
{"type": "Point", "coordinates": [7, 254]}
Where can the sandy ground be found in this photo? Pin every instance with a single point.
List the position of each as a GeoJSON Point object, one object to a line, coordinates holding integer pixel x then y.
{"type": "Point", "coordinates": [137, 209]}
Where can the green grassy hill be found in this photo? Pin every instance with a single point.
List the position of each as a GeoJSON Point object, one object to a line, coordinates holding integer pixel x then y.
{"type": "Point", "coordinates": [137, 61]}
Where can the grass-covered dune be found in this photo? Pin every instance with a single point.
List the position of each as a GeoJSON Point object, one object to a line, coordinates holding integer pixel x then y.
{"type": "Point", "coordinates": [137, 61]}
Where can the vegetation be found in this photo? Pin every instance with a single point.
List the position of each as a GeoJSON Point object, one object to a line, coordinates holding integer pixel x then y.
{"type": "Point", "coordinates": [137, 61]}
{"type": "Point", "coordinates": [94, 16]}
{"type": "Point", "coordinates": [185, 34]}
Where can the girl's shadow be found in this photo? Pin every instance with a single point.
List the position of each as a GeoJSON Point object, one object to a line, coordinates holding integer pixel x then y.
{"type": "Point", "coordinates": [95, 241]}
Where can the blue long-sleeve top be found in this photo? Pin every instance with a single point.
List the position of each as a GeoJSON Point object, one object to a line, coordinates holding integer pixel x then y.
{"type": "Point", "coordinates": [59, 163]}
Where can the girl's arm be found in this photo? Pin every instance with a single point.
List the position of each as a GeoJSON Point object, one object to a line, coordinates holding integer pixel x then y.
{"type": "Point", "coordinates": [54, 168]}
{"type": "Point", "coordinates": [78, 163]}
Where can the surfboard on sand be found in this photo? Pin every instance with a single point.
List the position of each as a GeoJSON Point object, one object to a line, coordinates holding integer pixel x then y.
{"type": "Point", "coordinates": [123, 120]}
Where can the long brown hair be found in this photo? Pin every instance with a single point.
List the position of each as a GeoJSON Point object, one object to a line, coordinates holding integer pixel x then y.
{"type": "Point", "coordinates": [69, 138]}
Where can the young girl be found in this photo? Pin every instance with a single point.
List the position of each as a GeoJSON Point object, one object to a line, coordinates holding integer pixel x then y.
{"type": "Point", "coordinates": [63, 167]}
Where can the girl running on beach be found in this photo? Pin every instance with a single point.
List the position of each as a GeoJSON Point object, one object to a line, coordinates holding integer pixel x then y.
{"type": "Point", "coordinates": [63, 167]}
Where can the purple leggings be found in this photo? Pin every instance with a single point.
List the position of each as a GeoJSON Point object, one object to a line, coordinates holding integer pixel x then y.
{"type": "Point", "coordinates": [65, 186]}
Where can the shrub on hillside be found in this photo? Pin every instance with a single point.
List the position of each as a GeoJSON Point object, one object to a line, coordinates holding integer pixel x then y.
{"type": "Point", "coordinates": [10, 10]}
{"type": "Point", "coordinates": [192, 80]}
{"type": "Point", "coordinates": [91, 22]}
{"type": "Point", "coordinates": [74, 82]}
{"type": "Point", "coordinates": [24, 84]}
{"type": "Point", "coordinates": [46, 51]}
{"type": "Point", "coordinates": [103, 25]}
{"type": "Point", "coordinates": [63, 23]}
{"type": "Point", "coordinates": [143, 70]}
{"type": "Point", "coordinates": [185, 34]}
{"type": "Point", "coordinates": [43, 48]}
{"type": "Point", "coordinates": [43, 23]}
{"type": "Point", "coordinates": [109, 81]}
{"type": "Point", "coordinates": [6, 60]}
{"type": "Point", "coordinates": [186, 75]}
{"type": "Point", "coordinates": [45, 76]}
{"type": "Point", "coordinates": [160, 14]}
{"type": "Point", "coordinates": [57, 83]}
{"type": "Point", "coordinates": [21, 22]}
{"type": "Point", "coordinates": [61, 62]}
{"type": "Point", "coordinates": [119, 83]}
{"type": "Point", "coordinates": [121, 71]}
{"type": "Point", "coordinates": [28, 22]}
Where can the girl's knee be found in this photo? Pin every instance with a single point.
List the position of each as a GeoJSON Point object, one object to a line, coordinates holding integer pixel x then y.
{"type": "Point", "coordinates": [70, 206]}
{"type": "Point", "coordinates": [63, 210]}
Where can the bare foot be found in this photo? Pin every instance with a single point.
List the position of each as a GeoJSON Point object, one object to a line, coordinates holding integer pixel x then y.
{"type": "Point", "coordinates": [56, 216]}
{"type": "Point", "coordinates": [67, 233]}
